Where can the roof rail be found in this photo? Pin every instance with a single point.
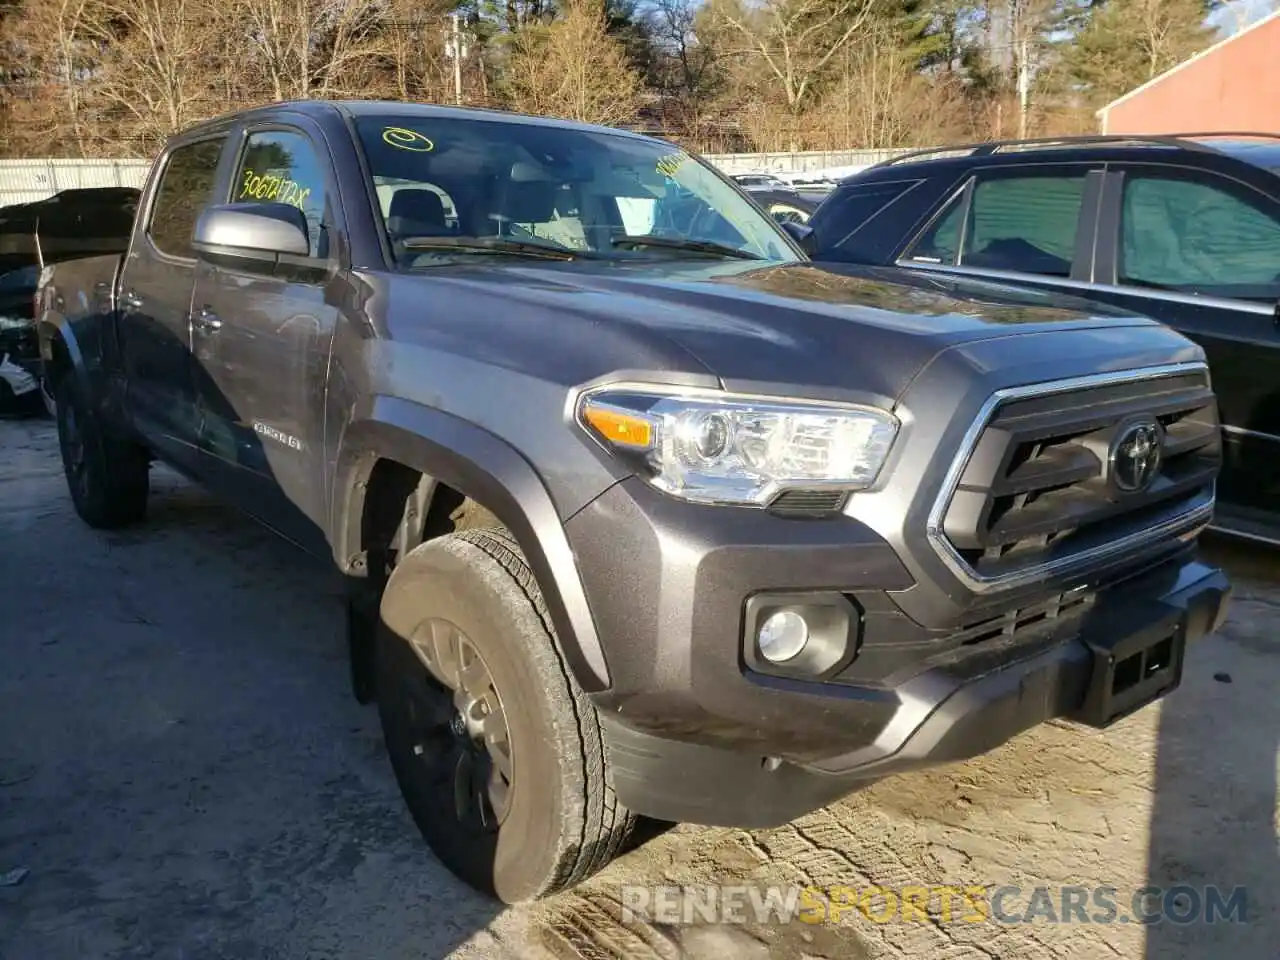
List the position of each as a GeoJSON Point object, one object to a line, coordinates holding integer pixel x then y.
{"type": "Point", "coordinates": [1184, 141]}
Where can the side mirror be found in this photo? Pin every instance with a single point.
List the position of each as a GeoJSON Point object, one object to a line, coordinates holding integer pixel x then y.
{"type": "Point", "coordinates": [257, 234]}
{"type": "Point", "coordinates": [802, 234]}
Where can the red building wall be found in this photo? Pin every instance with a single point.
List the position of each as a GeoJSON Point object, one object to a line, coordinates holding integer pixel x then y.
{"type": "Point", "coordinates": [1234, 86]}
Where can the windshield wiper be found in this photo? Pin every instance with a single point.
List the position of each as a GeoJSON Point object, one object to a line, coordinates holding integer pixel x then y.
{"type": "Point", "coordinates": [700, 246]}
{"type": "Point", "coordinates": [507, 245]}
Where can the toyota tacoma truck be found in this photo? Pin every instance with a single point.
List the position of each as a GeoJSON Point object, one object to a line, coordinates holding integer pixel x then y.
{"type": "Point", "coordinates": [641, 513]}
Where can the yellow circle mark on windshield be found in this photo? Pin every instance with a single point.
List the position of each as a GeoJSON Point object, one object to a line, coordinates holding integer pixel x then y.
{"type": "Point", "coordinates": [404, 139]}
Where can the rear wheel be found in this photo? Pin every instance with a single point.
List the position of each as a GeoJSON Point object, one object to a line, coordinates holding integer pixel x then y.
{"type": "Point", "coordinates": [108, 477]}
{"type": "Point", "coordinates": [497, 752]}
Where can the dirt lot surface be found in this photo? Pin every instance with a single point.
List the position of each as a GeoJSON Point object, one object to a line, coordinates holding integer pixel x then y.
{"type": "Point", "coordinates": [184, 774]}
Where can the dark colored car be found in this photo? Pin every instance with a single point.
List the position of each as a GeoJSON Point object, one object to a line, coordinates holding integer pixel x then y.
{"type": "Point", "coordinates": [640, 512]}
{"type": "Point", "coordinates": [70, 224]}
{"type": "Point", "coordinates": [784, 205]}
{"type": "Point", "coordinates": [1182, 229]}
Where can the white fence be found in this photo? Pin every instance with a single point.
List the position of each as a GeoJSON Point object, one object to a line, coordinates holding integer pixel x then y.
{"type": "Point", "coordinates": [804, 161]}
{"type": "Point", "coordinates": [22, 181]}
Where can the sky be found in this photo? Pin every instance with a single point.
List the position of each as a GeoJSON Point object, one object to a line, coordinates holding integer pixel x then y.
{"type": "Point", "coordinates": [1237, 14]}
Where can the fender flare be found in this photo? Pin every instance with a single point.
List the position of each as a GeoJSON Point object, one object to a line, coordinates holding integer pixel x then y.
{"type": "Point", "coordinates": [83, 349]}
{"type": "Point", "coordinates": [479, 465]}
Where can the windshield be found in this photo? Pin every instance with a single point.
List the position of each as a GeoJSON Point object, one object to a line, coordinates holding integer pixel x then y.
{"type": "Point", "coordinates": [595, 193]}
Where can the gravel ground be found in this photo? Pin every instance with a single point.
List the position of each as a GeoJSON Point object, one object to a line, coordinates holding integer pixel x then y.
{"type": "Point", "coordinates": [184, 774]}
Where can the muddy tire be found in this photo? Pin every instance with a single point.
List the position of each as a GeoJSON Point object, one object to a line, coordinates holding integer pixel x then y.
{"type": "Point", "coordinates": [108, 477]}
{"type": "Point", "coordinates": [497, 752]}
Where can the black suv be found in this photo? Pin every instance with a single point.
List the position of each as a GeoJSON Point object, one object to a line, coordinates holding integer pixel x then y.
{"type": "Point", "coordinates": [1183, 229]}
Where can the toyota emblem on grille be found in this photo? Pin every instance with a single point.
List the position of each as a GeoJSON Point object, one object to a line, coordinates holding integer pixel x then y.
{"type": "Point", "coordinates": [1135, 456]}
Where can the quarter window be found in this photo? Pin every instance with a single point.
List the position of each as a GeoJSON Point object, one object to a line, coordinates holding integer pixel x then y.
{"type": "Point", "coordinates": [281, 166]}
{"type": "Point", "coordinates": [1185, 235]}
{"type": "Point", "coordinates": [848, 211]}
{"type": "Point", "coordinates": [1019, 224]}
{"type": "Point", "coordinates": [185, 188]}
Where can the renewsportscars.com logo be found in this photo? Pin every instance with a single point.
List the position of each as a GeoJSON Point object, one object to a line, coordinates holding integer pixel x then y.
{"type": "Point", "coordinates": [947, 904]}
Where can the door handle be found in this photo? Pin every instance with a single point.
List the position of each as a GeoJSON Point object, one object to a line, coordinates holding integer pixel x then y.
{"type": "Point", "coordinates": [131, 300]}
{"type": "Point", "coordinates": [207, 321]}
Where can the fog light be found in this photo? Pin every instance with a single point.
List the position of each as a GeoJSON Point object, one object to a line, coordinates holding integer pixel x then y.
{"type": "Point", "coordinates": [782, 636]}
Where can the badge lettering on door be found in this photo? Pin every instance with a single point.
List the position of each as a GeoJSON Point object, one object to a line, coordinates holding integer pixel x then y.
{"type": "Point", "coordinates": [279, 436]}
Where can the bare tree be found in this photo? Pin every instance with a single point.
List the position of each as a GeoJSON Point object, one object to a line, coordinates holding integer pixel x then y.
{"type": "Point", "coordinates": [52, 42]}
{"type": "Point", "coordinates": [573, 69]}
{"type": "Point", "coordinates": [152, 76]}
{"type": "Point", "coordinates": [796, 39]}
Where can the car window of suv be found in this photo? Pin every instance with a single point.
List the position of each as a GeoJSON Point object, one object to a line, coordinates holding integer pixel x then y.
{"type": "Point", "coordinates": [850, 209]}
{"type": "Point", "coordinates": [185, 188]}
{"type": "Point", "coordinates": [282, 166]}
{"type": "Point", "coordinates": [1019, 224]}
{"type": "Point", "coordinates": [1186, 235]}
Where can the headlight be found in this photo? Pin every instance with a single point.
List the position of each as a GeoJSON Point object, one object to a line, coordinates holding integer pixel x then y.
{"type": "Point", "coordinates": [726, 448]}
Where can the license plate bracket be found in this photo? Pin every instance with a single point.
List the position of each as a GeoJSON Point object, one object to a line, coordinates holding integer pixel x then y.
{"type": "Point", "coordinates": [1134, 671]}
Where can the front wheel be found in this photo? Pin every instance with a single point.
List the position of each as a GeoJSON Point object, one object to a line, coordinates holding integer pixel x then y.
{"type": "Point", "coordinates": [497, 751]}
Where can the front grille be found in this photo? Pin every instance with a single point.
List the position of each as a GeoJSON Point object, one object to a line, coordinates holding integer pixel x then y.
{"type": "Point", "coordinates": [1039, 485]}
{"type": "Point", "coordinates": [1016, 622]}
{"type": "Point", "coordinates": [896, 647]}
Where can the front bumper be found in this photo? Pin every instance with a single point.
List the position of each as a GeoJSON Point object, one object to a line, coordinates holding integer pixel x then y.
{"type": "Point", "coordinates": [696, 736]}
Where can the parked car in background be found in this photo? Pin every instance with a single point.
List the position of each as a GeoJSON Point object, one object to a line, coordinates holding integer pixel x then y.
{"type": "Point", "coordinates": [1184, 229]}
{"type": "Point", "coordinates": [70, 224]}
{"type": "Point", "coordinates": [785, 204]}
{"type": "Point", "coordinates": [782, 200]}
{"type": "Point", "coordinates": [814, 185]}
{"type": "Point", "coordinates": [758, 181]}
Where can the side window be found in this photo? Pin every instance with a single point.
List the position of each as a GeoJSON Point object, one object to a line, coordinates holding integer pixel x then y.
{"type": "Point", "coordinates": [1024, 224]}
{"type": "Point", "coordinates": [941, 242]}
{"type": "Point", "coordinates": [283, 167]}
{"type": "Point", "coordinates": [848, 211]}
{"type": "Point", "coordinates": [1020, 224]}
{"type": "Point", "coordinates": [186, 186]}
{"type": "Point", "coordinates": [1192, 236]}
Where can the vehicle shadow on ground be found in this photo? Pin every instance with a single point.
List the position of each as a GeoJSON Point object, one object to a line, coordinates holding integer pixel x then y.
{"type": "Point", "coordinates": [1215, 783]}
{"type": "Point", "coordinates": [192, 776]}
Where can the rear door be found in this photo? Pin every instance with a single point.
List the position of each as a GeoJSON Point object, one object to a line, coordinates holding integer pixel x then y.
{"type": "Point", "coordinates": [154, 303]}
{"type": "Point", "coordinates": [1032, 224]}
{"type": "Point", "coordinates": [1200, 251]}
{"type": "Point", "coordinates": [262, 340]}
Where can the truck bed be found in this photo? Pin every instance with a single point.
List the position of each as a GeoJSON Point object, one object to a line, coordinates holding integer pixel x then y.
{"type": "Point", "coordinates": [81, 287]}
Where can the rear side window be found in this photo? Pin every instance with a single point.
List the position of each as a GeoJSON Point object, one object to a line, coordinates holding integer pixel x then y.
{"type": "Point", "coordinates": [1019, 224]}
{"type": "Point", "coordinates": [845, 214]}
{"type": "Point", "coordinates": [1193, 236]}
{"type": "Point", "coordinates": [186, 186]}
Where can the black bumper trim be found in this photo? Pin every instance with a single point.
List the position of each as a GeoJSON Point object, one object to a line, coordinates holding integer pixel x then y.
{"type": "Point", "coordinates": [940, 718]}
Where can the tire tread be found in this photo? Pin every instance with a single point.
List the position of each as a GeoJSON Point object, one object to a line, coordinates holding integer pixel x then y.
{"type": "Point", "coordinates": [606, 823]}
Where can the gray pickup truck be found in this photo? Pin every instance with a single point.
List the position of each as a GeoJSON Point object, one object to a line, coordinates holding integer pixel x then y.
{"type": "Point", "coordinates": [641, 513]}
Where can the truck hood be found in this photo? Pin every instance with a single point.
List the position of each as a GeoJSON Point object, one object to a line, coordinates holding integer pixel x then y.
{"type": "Point", "coordinates": [832, 328]}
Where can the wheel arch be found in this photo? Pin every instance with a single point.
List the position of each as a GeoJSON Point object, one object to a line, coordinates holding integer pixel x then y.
{"type": "Point", "coordinates": [61, 350]}
{"type": "Point", "coordinates": [398, 449]}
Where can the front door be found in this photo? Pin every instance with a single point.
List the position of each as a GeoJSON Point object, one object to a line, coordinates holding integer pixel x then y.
{"type": "Point", "coordinates": [1201, 252]}
{"type": "Point", "coordinates": [262, 342]}
{"type": "Point", "coordinates": [155, 304]}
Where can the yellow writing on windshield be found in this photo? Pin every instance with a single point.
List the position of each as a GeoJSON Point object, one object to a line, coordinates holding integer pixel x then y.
{"type": "Point", "coordinates": [273, 187]}
{"type": "Point", "coordinates": [406, 139]}
{"type": "Point", "coordinates": [669, 165]}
